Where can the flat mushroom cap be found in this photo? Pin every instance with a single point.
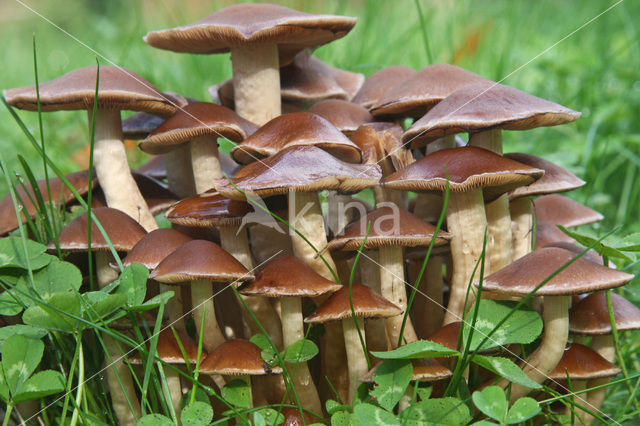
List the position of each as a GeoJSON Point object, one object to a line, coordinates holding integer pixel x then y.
{"type": "Point", "coordinates": [236, 358]}
{"type": "Point", "coordinates": [555, 179]}
{"type": "Point", "coordinates": [582, 276]}
{"type": "Point", "coordinates": [299, 168]}
{"type": "Point", "coordinates": [151, 249]}
{"type": "Point", "coordinates": [168, 348]}
{"type": "Point", "coordinates": [547, 234]}
{"type": "Point", "coordinates": [590, 255]}
{"type": "Point", "coordinates": [287, 276]}
{"type": "Point", "coordinates": [389, 227]}
{"type": "Point", "coordinates": [447, 335]}
{"type": "Point", "coordinates": [296, 129]}
{"type": "Point", "coordinates": [424, 370]}
{"type": "Point", "coordinates": [243, 24]}
{"type": "Point", "coordinates": [416, 95]}
{"type": "Point", "coordinates": [197, 119]}
{"type": "Point", "coordinates": [467, 168]}
{"type": "Point", "coordinates": [590, 315]}
{"type": "Point", "coordinates": [379, 83]}
{"type": "Point", "coordinates": [120, 89]}
{"type": "Point", "coordinates": [200, 260]}
{"type": "Point", "coordinates": [561, 210]}
{"type": "Point", "coordinates": [583, 363]}
{"type": "Point", "coordinates": [344, 115]}
{"type": "Point", "coordinates": [484, 106]}
{"type": "Point", "coordinates": [366, 304]}
{"type": "Point", "coordinates": [207, 210]}
{"type": "Point", "coordinates": [123, 231]}
{"type": "Point", "coordinates": [59, 193]}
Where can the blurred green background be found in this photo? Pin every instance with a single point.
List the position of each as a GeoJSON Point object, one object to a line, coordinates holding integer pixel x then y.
{"type": "Point", "coordinates": [596, 70]}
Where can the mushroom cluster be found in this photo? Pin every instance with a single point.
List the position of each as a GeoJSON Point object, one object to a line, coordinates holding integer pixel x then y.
{"type": "Point", "coordinates": [259, 247]}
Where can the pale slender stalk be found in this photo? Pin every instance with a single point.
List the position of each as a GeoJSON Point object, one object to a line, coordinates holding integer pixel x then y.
{"type": "Point", "coordinates": [179, 171]}
{"type": "Point", "coordinates": [205, 162]}
{"type": "Point", "coordinates": [375, 328]}
{"type": "Point", "coordinates": [500, 240]}
{"type": "Point", "coordinates": [113, 172]}
{"type": "Point", "coordinates": [428, 313]}
{"type": "Point", "coordinates": [581, 399]}
{"type": "Point", "coordinates": [256, 82]}
{"type": "Point", "coordinates": [172, 378]}
{"type": "Point", "coordinates": [355, 357]}
{"type": "Point", "coordinates": [292, 331]}
{"type": "Point", "coordinates": [466, 222]}
{"type": "Point", "coordinates": [201, 299]}
{"type": "Point", "coordinates": [489, 139]}
{"type": "Point", "coordinates": [521, 226]}
{"type": "Point", "coordinates": [173, 308]}
{"type": "Point", "coordinates": [605, 347]}
{"type": "Point", "coordinates": [393, 289]}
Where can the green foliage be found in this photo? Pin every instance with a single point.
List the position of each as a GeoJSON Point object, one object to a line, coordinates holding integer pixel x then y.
{"type": "Point", "coordinates": [392, 378]}
{"type": "Point", "coordinates": [493, 403]}
{"type": "Point", "coordinates": [504, 367]}
{"type": "Point", "coordinates": [417, 349]}
{"type": "Point", "coordinates": [237, 392]}
{"type": "Point", "coordinates": [155, 420]}
{"type": "Point", "coordinates": [440, 411]}
{"type": "Point", "coordinates": [197, 414]}
{"type": "Point", "coordinates": [300, 351]}
{"type": "Point", "coordinates": [12, 254]}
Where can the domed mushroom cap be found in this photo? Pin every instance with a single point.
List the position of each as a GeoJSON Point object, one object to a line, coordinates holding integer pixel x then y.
{"type": "Point", "coordinates": [151, 249]}
{"type": "Point", "coordinates": [590, 316]}
{"type": "Point", "coordinates": [467, 168]}
{"type": "Point", "coordinates": [424, 370]}
{"type": "Point", "coordinates": [197, 119]}
{"type": "Point", "coordinates": [243, 24]}
{"type": "Point", "coordinates": [366, 304]}
{"type": "Point", "coordinates": [547, 234]}
{"type": "Point", "coordinates": [123, 231]}
{"type": "Point", "coordinates": [296, 129]}
{"type": "Point", "coordinates": [303, 169]}
{"type": "Point", "coordinates": [389, 227]}
{"type": "Point", "coordinates": [120, 89]}
{"type": "Point", "coordinates": [526, 273]}
{"type": "Point", "coordinates": [200, 260]}
{"type": "Point", "coordinates": [555, 179]}
{"type": "Point", "coordinates": [156, 168]}
{"type": "Point", "coordinates": [344, 115]}
{"type": "Point", "coordinates": [59, 193]}
{"type": "Point", "coordinates": [447, 335]}
{"type": "Point", "coordinates": [485, 106]}
{"type": "Point", "coordinates": [379, 83]}
{"type": "Point", "coordinates": [590, 255]}
{"type": "Point", "coordinates": [417, 94]}
{"type": "Point", "coordinates": [168, 348]}
{"type": "Point", "coordinates": [210, 209]}
{"type": "Point", "coordinates": [288, 276]}
{"type": "Point", "coordinates": [235, 358]}
{"type": "Point", "coordinates": [583, 363]}
{"type": "Point", "coordinates": [561, 210]}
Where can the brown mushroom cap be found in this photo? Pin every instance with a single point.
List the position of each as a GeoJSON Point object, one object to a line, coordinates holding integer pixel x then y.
{"type": "Point", "coordinates": [381, 144]}
{"type": "Point", "coordinates": [288, 276]}
{"type": "Point", "coordinates": [151, 249]}
{"type": "Point", "coordinates": [296, 129]}
{"type": "Point", "coordinates": [379, 83]}
{"type": "Point", "coordinates": [123, 231]}
{"type": "Point", "coordinates": [447, 335]}
{"type": "Point", "coordinates": [303, 169]}
{"type": "Point", "coordinates": [485, 106]}
{"type": "Point", "coordinates": [168, 348]}
{"type": "Point", "coordinates": [197, 119]}
{"type": "Point", "coordinates": [590, 255]}
{"type": "Point", "coordinates": [389, 227]}
{"type": "Point", "coordinates": [590, 316]}
{"type": "Point", "coordinates": [417, 94]}
{"type": "Point", "coordinates": [366, 304]}
{"type": "Point", "coordinates": [583, 363]}
{"type": "Point", "coordinates": [200, 260]}
{"type": "Point", "coordinates": [466, 168]}
{"type": "Point", "coordinates": [561, 210]}
{"type": "Point", "coordinates": [555, 179]}
{"type": "Point", "coordinates": [208, 210]}
{"type": "Point", "coordinates": [155, 167]}
{"type": "Point", "coordinates": [237, 357]}
{"type": "Point", "coordinates": [242, 24]}
{"type": "Point", "coordinates": [424, 370]}
{"type": "Point", "coordinates": [120, 89]}
{"type": "Point", "coordinates": [344, 115]}
{"type": "Point", "coordinates": [526, 273]}
{"type": "Point", "coordinates": [59, 194]}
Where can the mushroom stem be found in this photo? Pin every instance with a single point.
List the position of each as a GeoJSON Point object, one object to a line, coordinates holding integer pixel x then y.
{"type": "Point", "coordinates": [292, 331]}
{"type": "Point", "coordinates": [112, 169]}
{"type": "Point", "coordinates": [604, 345]}
{"type": "Point", "coordinates": [582, 416]}
{"type": "Point", "coordinates": [179, 172]}
{"type": "Point", "coordinates": [544, 359]}
{"type": "Point", "coordinates": [173, 309]}
{"type": "Point", "coordinates": [376, 329]}
{"type": "Point", "coordinates": [256, 82]}
{"type": "Point", "coordinates": [236, 242]}
{"type": "Point", "coordinates": [201, 299]}
{"type": "Point", "coordinates": [392, 288]}
{"type": "Point", "coordinates": [205, 162]}
{"type": "Point", "coordinates": [175, 389]}
{"type": "Point", "coordinates": [305, 216]}
{"type": "Point", "coordinates": [466, 222]}
{"type": "Point", "coordinates": [427, 308]}
{"type": "Point", "coordinates": [521, 226]}
{"type": "Point", "coordinates": [489, 139]}
{"type": "Point", "coordinates": [355, 357]}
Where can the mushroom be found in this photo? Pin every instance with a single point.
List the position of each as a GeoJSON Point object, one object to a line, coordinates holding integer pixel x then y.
{"type": "Point", "coordinates": [345, 115]}
{"type": "Point", "coordinates": [378, 83]}
{"type": "Point", "coordinates": [560, 210]}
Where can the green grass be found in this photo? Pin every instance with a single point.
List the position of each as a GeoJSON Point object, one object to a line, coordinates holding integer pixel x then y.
{"type": "Point", "coordinates": [593, 71]}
